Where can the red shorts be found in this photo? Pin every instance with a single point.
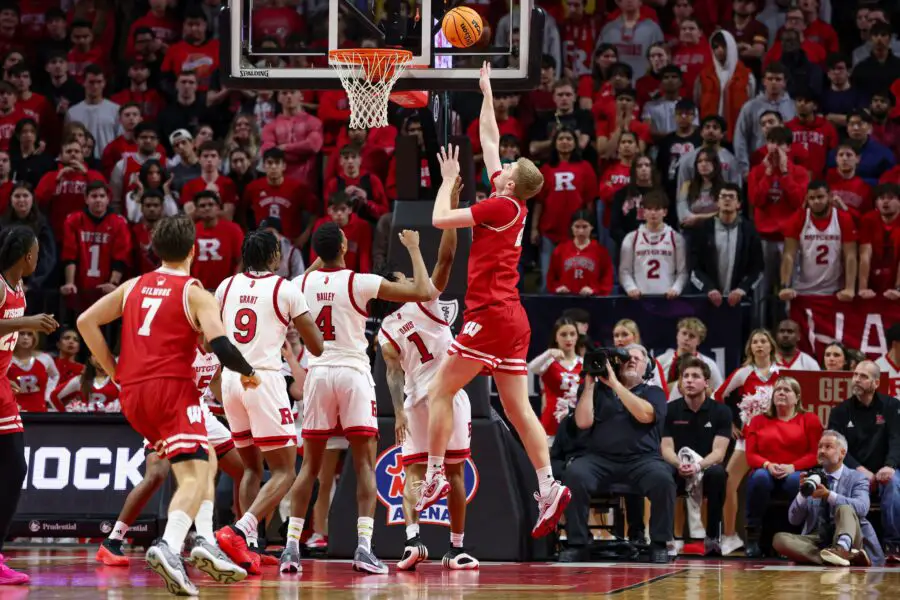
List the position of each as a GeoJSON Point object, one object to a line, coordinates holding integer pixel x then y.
{"type": "Point", "coordinates": [10, 421]}
{"type": "Point", "coordinates": [167, 410]}
{"type": "Point", "coordinates": [497, 336]}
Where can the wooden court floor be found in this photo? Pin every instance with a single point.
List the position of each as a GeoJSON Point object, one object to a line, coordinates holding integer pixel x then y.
{"type": "Point", "coordinates": [71, 573]}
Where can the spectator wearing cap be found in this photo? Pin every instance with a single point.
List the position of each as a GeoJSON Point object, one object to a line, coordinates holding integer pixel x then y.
{"type": "Point", "coordinates": [165, 28]}
{"type": "Point", "coordinates": [813, 131]}
{"type": "Point", "coordinates": [99, 115]}
{"type": "Point", "coordinates": [149, 100]}
{"type": "Point", "coordinates": [195, 52]}
{"type": "Point", "coordinates": [277, 196]}
{"type": "Point", "coordinates": [10, 114]}
{"type": "Point", "coordinates": [212, 180]}
{"type": "Point", "coordinates": [874, 158]}
{"type": "Point", "coordinates": [34, 105]}
{"type": "Point", "coordinates": [885, 121]}
{"type": "Point", "coordinates": [217, 253]}
{"type": "Point", "coordinates": [125, 174]}
{"type": "Point", "coordinates": [357, 231]}
{"type": "Point", "coordinates": [84, 51]}
{"type": "Point", "coordinates": [682, 141]}
{"type": "Point", "coordinates": [96, 249]}
{"type": "Point", "coordinates": [724, 84]}
{"type": "Point", "coordinates": [151, 211]}
{"type": "Point", "coordinates": [187, 111]}
{"type": "Point", "coordinates": [748, 135]}
{"type": "Point", "coordinates": [609, 132]}
{"type": "Point", "coordinates": [291, 259]}
{"type": "Point", "coordinates": [299, 135]}
{"type": "Point", "coordinates": [712, 132]}
{"type": "Point", "coordinates": [566, 115]}
{"type": "Point", "coordinates": [691, 54]}
{"type": "Point", "coordinates": [882, 67]}
{"type": "Point", "coordinates": [659, 113]}
{"type": "Point", "coordinates": [61, 90]}
{"type": "Point", "coordinates": [185, 165]}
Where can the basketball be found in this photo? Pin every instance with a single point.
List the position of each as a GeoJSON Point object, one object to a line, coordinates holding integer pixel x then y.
{"type": "Point", "coordinates": [462, 26]}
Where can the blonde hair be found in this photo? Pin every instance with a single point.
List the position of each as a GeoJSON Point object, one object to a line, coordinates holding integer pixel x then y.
{"type": "Point", "coordinates": [795, 387]}
{"type": "Point", "coordinates": [694, 325]}
{"type": "Point", "coordinates": [251, 148]}
{"type": "Point", "coordinates": [631, 326]}
{"type": "Point", "coordinates": [528, 179]}
{"type": "Point", "coordinates": [748, 354]}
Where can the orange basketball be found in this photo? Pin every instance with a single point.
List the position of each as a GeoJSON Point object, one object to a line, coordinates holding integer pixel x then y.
{"type": "Point", "coordinates": [462, 26]}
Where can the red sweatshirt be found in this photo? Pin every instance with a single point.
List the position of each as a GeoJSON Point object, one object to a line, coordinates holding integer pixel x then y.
{"type": "Point", "coordinates": [793, 442]}
{"type": "Point", "coordinates": [60, 194]}
{"type": "Point", "coordinates": [691, 58]}
{"type": "Point", "coordinates": [817, 138]}
{"type": "Point", "coordinates": [568, 187]}
{"type": "Point", "coordinates": [573, 268]}
{"type": "Point", "coordinates": [776, 199]}
{"type": "Point", "coordinates": [854, 192]}
{"type": "Point", "coordinates": [96, 246]}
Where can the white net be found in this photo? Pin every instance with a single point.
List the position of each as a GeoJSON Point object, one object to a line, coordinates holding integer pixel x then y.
{"type": "Point", "coordinates": [368, 77]}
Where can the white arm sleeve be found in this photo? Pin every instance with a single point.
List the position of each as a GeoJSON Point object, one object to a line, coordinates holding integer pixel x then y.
{"type": "Point", "coordinates": [52, 374]}
{"type": "Point", "coordinates": [541, 363]}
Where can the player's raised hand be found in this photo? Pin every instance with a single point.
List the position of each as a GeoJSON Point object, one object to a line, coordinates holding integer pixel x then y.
{"type": "Point", "coordinates": [251, 382]}
{"type": "Point", "coordinates": [484, 81]}
{"type": "Point", "coordinates": [448, 158]}
{"type": "Point", "coordinates": [409, 238]}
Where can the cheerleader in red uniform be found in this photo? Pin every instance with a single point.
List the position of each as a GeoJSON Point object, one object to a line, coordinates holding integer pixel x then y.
{"type": "Point", "coordinates": [92, 391]}
{"type": "Point", "coordinates": [560, 371]}
{"type": "Point", "coordinates": [747, 392]}
{"type": "Point", "coordinates": [34, 373]}
{"type": "Point", "coordinates": [67, 347]}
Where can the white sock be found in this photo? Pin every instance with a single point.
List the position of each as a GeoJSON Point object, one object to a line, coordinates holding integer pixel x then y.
{"type": "Point", "coordinates": [247, 525]}
{"type": "Point", "coordinates": [456, 539]}
{"type": "Point", "coordinates": [364, 526]}
{"type": "Point", "coordinates": [412, 531]}
{"type": "Point", "coordinates": [176, 530]}
{"type": "Point", "coordinates": [435, 466]}
{"type": "Point", "coordinates": [295, 530]}
{"type": "Point", "coordinates": [204, 521]}
{"type": "Point", "coordinates": [545, 480]}
{"type": "Point", "coordinates": [119, 531]}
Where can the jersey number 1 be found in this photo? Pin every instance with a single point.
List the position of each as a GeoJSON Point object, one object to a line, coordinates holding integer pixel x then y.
{"type": "Point", "coordinates": [416, 341]}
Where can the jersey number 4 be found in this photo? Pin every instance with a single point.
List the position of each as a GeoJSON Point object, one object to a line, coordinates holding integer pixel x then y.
{"type": "Point", "coordinates": [325, 324]}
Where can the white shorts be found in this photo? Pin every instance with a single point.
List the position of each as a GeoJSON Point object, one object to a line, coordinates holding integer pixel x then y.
{"type": "Point", "coordinates": [337, 443]}
{"type": "Point", "coordinates": [338, 401]}
{"type": "Point", "coordinates": [216, 433]}
{"type": "Point", "coordinates": [741, 445]}
{"type": "Point", "coordinates": [259, 417]}
{"type": "Point", "coordinates": [415, 448]}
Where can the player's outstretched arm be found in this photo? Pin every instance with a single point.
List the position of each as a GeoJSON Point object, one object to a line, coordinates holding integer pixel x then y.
{"type": "Point", "coordinates": [488, 130]}
{"type": "Point", "coordinates": [205, 310]}
{"type": "Point", "coordinates": [447, 250]}
{"type": "Point", "coordinates": [309, 333]}
{"type": "Point", "coordinates": [445, 215]}
{"type": "Point", "coordinates": [396, 379]}
{"type": "Point", "coordinates": [419, 288]}
{"type": "Point", "coordinates": [105, 310]}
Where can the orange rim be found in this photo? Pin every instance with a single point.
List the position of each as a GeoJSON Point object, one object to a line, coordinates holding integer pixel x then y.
{"type": "Point", "coordinates": [357, 56]}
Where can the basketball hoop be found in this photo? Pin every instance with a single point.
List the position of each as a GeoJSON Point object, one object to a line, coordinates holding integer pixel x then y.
{"type": "Point", "coordinates": [368, 75]}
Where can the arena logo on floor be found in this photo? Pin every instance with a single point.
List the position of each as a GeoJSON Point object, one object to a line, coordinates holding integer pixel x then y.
{"type": "Point", "coordinates": [389, 481]}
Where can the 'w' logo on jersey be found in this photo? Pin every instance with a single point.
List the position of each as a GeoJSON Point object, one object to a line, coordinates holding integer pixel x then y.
{"type": "Point", "coordinates": [470, 329]}
{"type": "Point", "coordinates": [194, 414]}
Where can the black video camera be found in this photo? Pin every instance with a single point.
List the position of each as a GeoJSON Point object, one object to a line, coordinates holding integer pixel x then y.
{"type": "Point", "coordinates": [596, 359]}
{"type": "Point", "coordinates": [814, 477]}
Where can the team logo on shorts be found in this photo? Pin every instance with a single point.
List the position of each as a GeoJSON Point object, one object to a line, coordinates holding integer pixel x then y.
{"type": "Point", "coordinates": [389, 479]}
{"type": "Point", "coordinates": [449, 310]}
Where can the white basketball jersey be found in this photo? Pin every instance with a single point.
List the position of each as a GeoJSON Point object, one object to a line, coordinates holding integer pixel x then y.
{"type": "Point", "coordinates": [206, 365]}
{"type": "Point", "coordinates": [337, 301]}
{"type": "Point", "coordinates": [257, 309]}
{"type": "Point", "coordinates": [655, 265]}
{"type": "Point", "coordinates": [820, 269]}
{"type": "Point", "coordinates": [422, 338]}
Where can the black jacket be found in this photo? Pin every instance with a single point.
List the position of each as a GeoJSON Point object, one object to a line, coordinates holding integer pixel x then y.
{"type": "Point", "coordinates": [873, 432]}
{"type": "Point", "coordinates": [748, 264]}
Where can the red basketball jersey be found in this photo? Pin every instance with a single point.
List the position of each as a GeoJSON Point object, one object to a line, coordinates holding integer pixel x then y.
{"type": "Point", "coordinates": [159, 338]}
{"type": "Point", "coordinates": [12, 307]}
{"type": "Point", "coordinates": [495, 252]}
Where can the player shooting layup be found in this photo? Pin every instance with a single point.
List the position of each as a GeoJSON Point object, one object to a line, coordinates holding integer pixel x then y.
{"type": "Point", "coordinates": [496, 332]}
{"type": "Point", "coordinates": [162, 312]}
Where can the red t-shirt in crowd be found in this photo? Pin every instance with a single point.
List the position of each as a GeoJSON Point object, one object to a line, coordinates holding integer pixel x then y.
{"type": "Point", "coordinates": [98, 246]}
{"type": "Point", "coordinates": [276, 21]}
{"type": "Point", "coordinates": [285, 201]}
{"type": "Point", "coordinates": [150, 101]}
{"type": "Point", "coordinates": [78, 61]}
{"type": "Point", "coordinates": [577, 268]}
{"type": "Point", "coordinates": [359, 243]}
{"type": "Point", "coordinates": [508, 126]}
{"type": "Point", "coordinates": [885, 241]}
{"type": "Point", "coordinates": [217, 252]}
{"type": "Point", "coordinates": [202, 60]}
{"type": "Point", "coordinates": [854, 192]}
{"type": "Point", "coordinates": [691, 58]}
{"type": "Point", "coordinates": [568, 187]}
{"type": "Point", "coordinates": [8, 126]}
{"type": "Point", "coordinates": [226, 190]}
{"type": "Point", "coordinates": [38, 108]}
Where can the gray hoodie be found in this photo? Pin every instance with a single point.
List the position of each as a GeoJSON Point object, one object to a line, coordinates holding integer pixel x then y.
{"type": "Point", "coordinates": [748, 134]}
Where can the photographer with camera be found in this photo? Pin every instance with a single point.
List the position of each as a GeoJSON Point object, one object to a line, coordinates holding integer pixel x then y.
{"type": "Point", "coordinates": [623, 417]}
{"type": "Point", "coordinates": [832, 505]}
{"type": "Point", "coordinates": [871, 422]}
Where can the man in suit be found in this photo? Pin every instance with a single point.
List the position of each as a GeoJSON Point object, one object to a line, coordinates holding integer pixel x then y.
{"type": "Point", "coordinates": [726, 253]}
{"type": "Point", "coordinates": [835, 528]}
